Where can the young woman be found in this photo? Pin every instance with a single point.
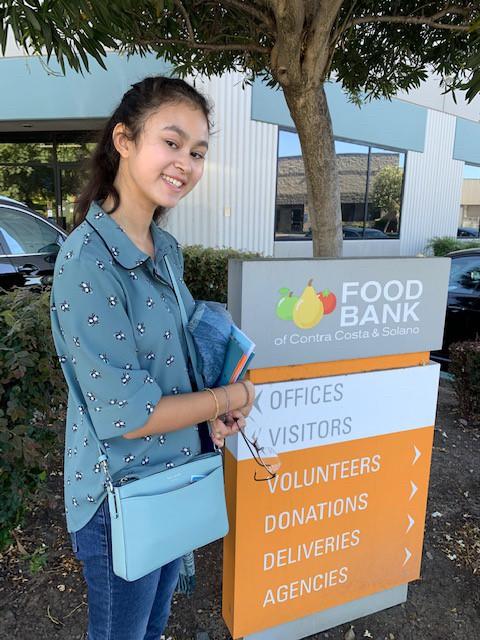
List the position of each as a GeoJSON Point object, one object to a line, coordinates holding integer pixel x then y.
{"type": "Point", "coordinates": [118, 334]}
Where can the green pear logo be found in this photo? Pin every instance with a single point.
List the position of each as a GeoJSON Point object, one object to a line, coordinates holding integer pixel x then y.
{"type": "Point", "coordinates": [286, 304]}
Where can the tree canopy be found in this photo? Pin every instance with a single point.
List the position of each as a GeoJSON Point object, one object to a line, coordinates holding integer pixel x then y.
{"type": "Point", "coordinates": [373, 47]}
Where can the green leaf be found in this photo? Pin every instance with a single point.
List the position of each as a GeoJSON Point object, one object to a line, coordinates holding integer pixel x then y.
{"type": "Point", "coordinates": [14, 25]}
{"type": "Point", "coordinates": [47, 36]}
{"type": "Point", "coordinates": [83, 56]}
{"type": "Point", "coordinates": [32, 18]}
{"type": "Point", "coordinates": [3, 35]}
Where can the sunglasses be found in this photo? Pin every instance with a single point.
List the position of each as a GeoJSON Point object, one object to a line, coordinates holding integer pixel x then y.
{"type": "Point", "coordinates": [265, 457]}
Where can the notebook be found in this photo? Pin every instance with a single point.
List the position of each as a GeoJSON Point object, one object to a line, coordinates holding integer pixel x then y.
{"type": "Point", "coordinates": [239, 353]}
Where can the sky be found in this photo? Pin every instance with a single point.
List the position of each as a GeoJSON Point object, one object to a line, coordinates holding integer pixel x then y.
{"type": "Point", "coordinates": [289, 145]}
{"type": "Point", "coordinates": [471, 172]}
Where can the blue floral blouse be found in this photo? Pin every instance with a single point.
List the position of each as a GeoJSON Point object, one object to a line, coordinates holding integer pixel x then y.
{"type": "Point", "coordinates": [118, 334]}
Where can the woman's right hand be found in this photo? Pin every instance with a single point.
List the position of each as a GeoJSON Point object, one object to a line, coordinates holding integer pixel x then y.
{"type": "Point", "coordinates": [226, 426]}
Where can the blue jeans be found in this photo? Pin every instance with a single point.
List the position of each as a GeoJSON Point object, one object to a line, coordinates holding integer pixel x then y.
{"type": "Point", "coordinates": [117, 609]}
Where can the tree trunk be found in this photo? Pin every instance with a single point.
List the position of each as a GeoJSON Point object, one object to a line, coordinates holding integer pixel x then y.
{"type": "Point", "coordinates": [309, 111]}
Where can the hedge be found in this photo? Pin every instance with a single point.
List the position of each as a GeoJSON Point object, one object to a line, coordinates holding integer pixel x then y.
{"type": "Point", "coordinates": [206, 271]}
{"type": "Point", "coordinates": [443, 245]}
{"type": "Point", "coordinates": [32, 391]}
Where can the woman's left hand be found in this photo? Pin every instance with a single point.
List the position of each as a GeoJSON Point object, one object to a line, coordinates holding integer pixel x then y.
{"type": "Point", "coordinates": [226, 426]}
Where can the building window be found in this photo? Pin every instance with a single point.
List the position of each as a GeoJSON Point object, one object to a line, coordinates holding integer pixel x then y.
{"type": "Point", "coordinates": [46, 175]}
{"type": "Point", "coordinates": [371, 187]}
{"type": "Point", "coordinates": [469, 218]}
{"type": "Point", "coordinates": [26, 174]}
{"type": "Point", "coordinates": [71, 158]}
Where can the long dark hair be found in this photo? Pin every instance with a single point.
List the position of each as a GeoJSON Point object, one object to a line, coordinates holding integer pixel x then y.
{"type": "Point", "coordinates": [136, 105]}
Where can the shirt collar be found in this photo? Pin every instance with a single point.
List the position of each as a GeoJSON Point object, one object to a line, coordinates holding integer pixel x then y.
{"type": "Point", "coordinates": [123, 250]}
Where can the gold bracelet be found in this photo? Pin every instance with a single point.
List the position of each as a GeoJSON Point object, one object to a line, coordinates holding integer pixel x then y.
{"type": "Point", "coordinates": [217, 408]}
{"type": "Point", "coordinates": [244, 385]}
{"type": "Point", "coordinates": [227, 405]}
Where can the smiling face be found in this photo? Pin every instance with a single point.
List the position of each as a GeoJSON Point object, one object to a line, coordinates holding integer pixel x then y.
{"type": "Point", "coordinates": [167, 159]}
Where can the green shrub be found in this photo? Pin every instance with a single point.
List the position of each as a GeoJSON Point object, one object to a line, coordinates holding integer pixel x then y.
{"type": "Point", "coordinates": [206, 271]}
{"type": "Point", "coordinates": [465, 366]}
{"type": "Point", "coordinates": [32, 390]}
{"type": "Point", "coordinates": [442, 246]}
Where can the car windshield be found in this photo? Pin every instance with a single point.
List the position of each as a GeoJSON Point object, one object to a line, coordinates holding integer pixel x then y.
{"type": "Point", "coordinates": [465, 273]}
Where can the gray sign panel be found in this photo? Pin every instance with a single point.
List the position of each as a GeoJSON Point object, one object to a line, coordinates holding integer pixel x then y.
{"type": "Point", "coordinates": [319, 310]}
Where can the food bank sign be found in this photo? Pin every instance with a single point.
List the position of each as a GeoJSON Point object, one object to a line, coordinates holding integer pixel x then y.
{"type": "Point", "coordinates": [344, 516]}
{"type": "Point", "coordinates": [346, 395]}
{"type": "Point", "coordinates": [302, 311]}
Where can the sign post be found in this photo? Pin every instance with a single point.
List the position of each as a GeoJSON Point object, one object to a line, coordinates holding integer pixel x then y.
{"type": "Point", "coordinates": [346, 395]}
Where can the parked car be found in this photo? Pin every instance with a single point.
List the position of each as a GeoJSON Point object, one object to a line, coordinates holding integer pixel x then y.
{"type": "Point", "coordinates": [462, 321]}
{"type": "Point", "coordinates": [468, 232]}
{"type": "Point", "coordinates": [350, 233]}
{"type": "Point", "coordinates": [29, 244]}
{"type": "Point", "coordinates": [356, 233]}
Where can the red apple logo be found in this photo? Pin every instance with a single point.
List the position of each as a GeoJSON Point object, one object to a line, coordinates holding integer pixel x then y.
{"type": "Point", "coordinates": [329, 300]}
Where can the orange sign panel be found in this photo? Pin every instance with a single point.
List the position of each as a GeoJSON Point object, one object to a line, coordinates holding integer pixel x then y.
{"type": "Point", "coordinates": [337, 523]}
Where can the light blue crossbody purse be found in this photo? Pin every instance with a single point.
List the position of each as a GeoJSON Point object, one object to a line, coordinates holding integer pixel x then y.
{"type": "Point", "coordinates": [161, 516]}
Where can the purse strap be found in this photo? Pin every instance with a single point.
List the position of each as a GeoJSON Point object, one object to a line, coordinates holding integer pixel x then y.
{"type": "Point", "coordinates": [188, 336]}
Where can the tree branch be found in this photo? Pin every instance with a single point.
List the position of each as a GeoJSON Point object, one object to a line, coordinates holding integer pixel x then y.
{"type": "Point", "coordinates": [318, 36]}
{"type": "Point", "coordinates": [428, 21]}
{"type": "Point", "coordinates": [451, 9]}
{"type": "Point", "coordinates": [186, 17]}
{"type": "Point", "coordinates": [340, 29]}
{"type": "Point", "coordinates": [411, 20]}
{"type": "Point", "coordinates": [229, 46]}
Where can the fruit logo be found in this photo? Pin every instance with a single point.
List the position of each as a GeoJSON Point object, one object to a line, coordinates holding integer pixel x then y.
{"type": "Point", "coordinates": [307, 310]}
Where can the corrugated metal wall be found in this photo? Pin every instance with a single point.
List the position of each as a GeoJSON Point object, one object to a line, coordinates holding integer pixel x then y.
{"type": "Point", "coordinates": [433, 184]}
{"type": "Point", "coordinates": [234, 203]}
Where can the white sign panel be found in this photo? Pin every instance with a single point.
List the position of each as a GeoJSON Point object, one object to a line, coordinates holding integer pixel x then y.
{"type": "Point", "coordinates": [301, 414]}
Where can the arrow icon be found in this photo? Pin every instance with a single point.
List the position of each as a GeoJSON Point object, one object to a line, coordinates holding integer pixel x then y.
{"type": "Point", "coordinates": [408, 555]}
{"type": "Point", "coordinates": [411, 522]}
{"type": "Point", "coordinates": [417, 454]}
{"type": "Point", "coordinates": [255, 402]}
{"type": "Point", "coordinates": [414, 489]}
